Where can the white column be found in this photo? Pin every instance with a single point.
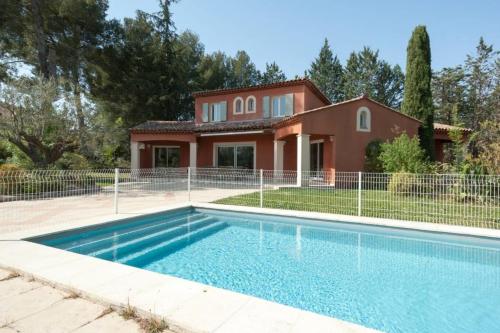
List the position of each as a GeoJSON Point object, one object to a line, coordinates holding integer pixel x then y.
{"type": "Point", "coordinates": [193, 149]}
{"type": "Point", "coordinates": [278, 155]}
{"type": "Point", "coordinates": [303, 156]}
{"type": "Point", "coordinates": [134, 155]}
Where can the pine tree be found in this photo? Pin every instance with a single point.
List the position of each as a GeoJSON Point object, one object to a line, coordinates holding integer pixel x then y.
{"type": "Point", "coordinates": [242, 71]}
{"type": "Point", "coordinates": [273, 74]}
{"type": "Point", "coordinates": [326, 72]}
{"type": "Point", "coordinates": [365, 73]}
{"type": "Point", "coordinates": [417, 101]}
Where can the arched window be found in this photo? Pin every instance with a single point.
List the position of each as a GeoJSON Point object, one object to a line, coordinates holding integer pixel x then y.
{"type": "Point", "coordinates": [238, 105]}
{"type": "Point", "coordinates": [363, 123]}
{"type": "Point", "coordinates": [251, 104]}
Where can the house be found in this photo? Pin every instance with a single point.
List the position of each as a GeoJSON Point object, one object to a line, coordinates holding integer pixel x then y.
{"type": "Point", "coordinates": [288, 125]}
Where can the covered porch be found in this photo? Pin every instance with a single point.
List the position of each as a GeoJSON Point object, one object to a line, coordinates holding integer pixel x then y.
{"type": "Point", "coordinates": [163, 151]}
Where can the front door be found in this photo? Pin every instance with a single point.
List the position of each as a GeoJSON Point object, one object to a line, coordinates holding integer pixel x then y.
{"type": "Point", "coordinates": [316, 158]}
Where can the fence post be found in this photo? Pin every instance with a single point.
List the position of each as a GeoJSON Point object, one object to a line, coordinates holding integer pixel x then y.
{"type": "Point", "coordinates": [117, 179]}
{"type": "Point", "coordinates": [359, 193]}
{"type": "Point", "coordinates": [189, 184]}
{"type": "Point", "coordinates": [261, 188]}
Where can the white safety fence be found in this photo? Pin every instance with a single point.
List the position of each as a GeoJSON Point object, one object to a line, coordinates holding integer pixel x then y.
{"type": "Point", "coordinates": [39, 197]}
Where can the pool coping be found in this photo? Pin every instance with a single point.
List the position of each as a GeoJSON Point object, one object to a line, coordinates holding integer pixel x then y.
{"type": "Point", "coordinates": [187, 306]}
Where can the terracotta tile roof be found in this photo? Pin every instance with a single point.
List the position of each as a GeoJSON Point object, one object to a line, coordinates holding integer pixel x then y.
{"type": "Point", "coordinates": [298, 115]}
{"type": "Point", "coordinates": [190, 126]}
{"type": "Point", "coordinates": [295, 82]}
{"type": "Point", "coordinates": [162, 126]}
{"type": "Point", "coordinates": [445, 128]}
{"type": "Point", "coordinates": [257, 124]}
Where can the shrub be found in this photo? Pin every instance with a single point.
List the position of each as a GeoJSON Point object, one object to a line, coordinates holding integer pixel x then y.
{"type": "Point", "coordinates": [403, 154]}
{"type": "Point", "coordinates": [72, 161]}
{"type": "Point", "coordinates": [402, 183]}
{"type": "Point", "coordinates": [372, 154]}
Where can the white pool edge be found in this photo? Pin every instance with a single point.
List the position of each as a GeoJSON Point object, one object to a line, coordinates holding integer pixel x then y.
{"type": "Point", "coordinates": [373, 221]}
{"type": "Point", "coordinates": [187, 306]}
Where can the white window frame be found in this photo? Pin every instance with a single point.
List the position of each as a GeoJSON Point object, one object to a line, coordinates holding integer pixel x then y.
{"type": "Point", "coordinates": [162, 146]}
{"type": "Point", "coordinates": [212, 112]}
{"type": "Point", "coordinates": [242, 105]}
{"type": "Point", "coordinates": [216, 145]}
{"type": "Point", "coordinates": [279, 97]}
{"type": "Point", "coordinates": [360, 111]}
{"type": "Point", "coordinates": [254, 104]}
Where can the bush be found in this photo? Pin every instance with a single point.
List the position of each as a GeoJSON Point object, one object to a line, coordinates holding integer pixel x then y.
{"type": "Point", "coordinates": [403, 154]}
{"type": "Point", "coordinates": [372, 154]}
{"type": "Point", "coordinates": [403, 183]}
{"type": "Point", "coordinates": [72, 161]}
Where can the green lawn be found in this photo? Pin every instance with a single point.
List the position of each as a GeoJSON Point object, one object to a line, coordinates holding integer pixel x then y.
{"type": "Point", "coordinates": [375, 204]}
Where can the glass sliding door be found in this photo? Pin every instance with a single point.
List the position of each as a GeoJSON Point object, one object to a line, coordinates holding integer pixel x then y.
{"type": "Point", "coordinates": [239, 156]}
{"type": "Point", "coordinates": [316, 156]}
{"type": "Point", "coordinates": [225, 157]}
{"type": "Point", "coordinates": [244, 157]}
{"type": "Point", "coordinates": [166, 157]}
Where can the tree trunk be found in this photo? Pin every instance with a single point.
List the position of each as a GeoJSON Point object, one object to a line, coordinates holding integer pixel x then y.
{"type": "Point", "coordinates": [41, 43]}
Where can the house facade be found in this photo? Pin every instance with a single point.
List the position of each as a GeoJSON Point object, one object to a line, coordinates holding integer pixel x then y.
{"type": "Point", "coordinates": [289, 125]}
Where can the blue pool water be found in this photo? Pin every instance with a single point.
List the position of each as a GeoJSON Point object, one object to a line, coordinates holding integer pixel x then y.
{"type": "Point", "coordinates": [388, 279]}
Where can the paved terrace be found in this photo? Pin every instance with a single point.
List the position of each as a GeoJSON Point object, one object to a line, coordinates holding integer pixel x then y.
{"type": "Point", "coordinates": [69, 212]}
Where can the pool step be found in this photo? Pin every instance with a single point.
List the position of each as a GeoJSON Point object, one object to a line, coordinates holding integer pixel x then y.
{"type": "Point", "coordinates": [122, 249]}
{"type": "Point", "coordinates": [110, 240]}
{"type": "Point", "coordinates": [146, 256]}
{"type": "Point", "coordinates": [72, 240]}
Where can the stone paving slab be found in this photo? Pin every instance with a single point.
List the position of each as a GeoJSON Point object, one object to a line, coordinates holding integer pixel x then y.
{"type": "Point", "coordinates": [61, 317]}
{"type": "Point", "coordinates": [29, 306]}
{"type": "Point", "coordinates": [24, 304]}
{"type": "Point", "coordinates": [110, 323]}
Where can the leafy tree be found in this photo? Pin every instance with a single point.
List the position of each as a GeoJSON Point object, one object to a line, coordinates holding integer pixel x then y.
{"type": "Point", "coordinates": [56, 39]}
{"type": "Point", "coordinates": [403, 154]}
{"type": "Point", "coordinates": [242, 71]}
{"type": "Point", "coordinates": [38, 122]}
{"type": "Point", "coordinates": [365, 73]}
{"type": "Point", "coordinates": [490, 144]}
{"type": "Point", "coordinates": [135, 76]}
{"type": "Point", "coordinates": [214, 71]}
{"type": "Point", "coordinates": [482, 85]}
{"type": "Point", "coordinates": [272, 74]}
{"type": "Point", "coordinates": [327, 73]}
{"type": "Point", "coordinates": [448, 92]}
{"type": "Point", "coordinates": [417, 101]}
{"type": "Point", "coordinates": [188, 51]}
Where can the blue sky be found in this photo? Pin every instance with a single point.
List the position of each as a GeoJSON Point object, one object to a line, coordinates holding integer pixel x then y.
{"type": "Point", "coordinates": [291, 32]}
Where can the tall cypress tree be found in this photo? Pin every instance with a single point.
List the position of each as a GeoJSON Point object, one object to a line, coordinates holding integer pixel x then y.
{"type": "Point", "coordinates": [417, 101]}
{"type": "Point", "coordinates": [326, 72]}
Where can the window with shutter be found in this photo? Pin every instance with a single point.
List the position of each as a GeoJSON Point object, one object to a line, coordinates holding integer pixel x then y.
{"type": "Point", "coordinates": [265, 107]}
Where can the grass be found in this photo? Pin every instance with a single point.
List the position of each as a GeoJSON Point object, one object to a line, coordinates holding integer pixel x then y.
{"type": "Point", "coordinates": [128, 312]}
{"type": "Point", "coordinates": [148, 325]}
{"type": "Point", "coordinates": [153, 325]}
{"type": "Point", "coordinates": [375, 203]}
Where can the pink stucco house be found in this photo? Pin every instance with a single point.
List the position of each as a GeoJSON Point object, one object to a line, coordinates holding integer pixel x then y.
{"type": "Point", "coordinates": [289, 125]}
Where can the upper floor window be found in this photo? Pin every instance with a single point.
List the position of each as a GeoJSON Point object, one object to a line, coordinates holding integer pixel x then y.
{"type": "Point", "coordinates": [238, 105]}
{"type": "Point", "coordinates": [251, 104]}
{"type": "Point", "coordinates": [282, 105]}
{"type": "Point", "coordinates": [214, 112]}
{"type": "Point", "coordinates": [363, 122]}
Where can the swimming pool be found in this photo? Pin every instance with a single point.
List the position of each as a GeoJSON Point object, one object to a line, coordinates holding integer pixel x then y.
{"type": "Point", "coordinates": [389, 279]}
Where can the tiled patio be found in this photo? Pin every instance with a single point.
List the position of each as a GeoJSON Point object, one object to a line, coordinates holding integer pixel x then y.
{"type": "Point", "coordinates": [30, 306]}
